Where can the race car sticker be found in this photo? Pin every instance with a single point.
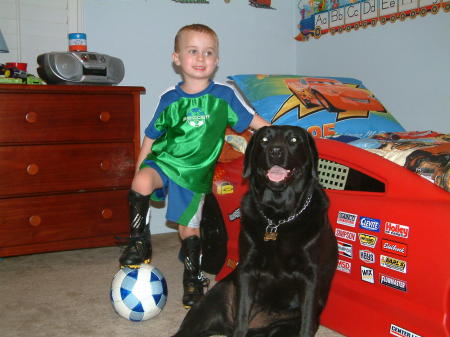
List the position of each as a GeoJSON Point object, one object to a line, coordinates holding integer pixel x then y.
{"type": "Point", "coordinates": [400, 332]}
{"type": "Point", "coordinates": [397, 230]}
{"type": "Point", "coordinates": [369, 224]}
{"type": "Point", "coordinates": [393, 263]}
{"type": "Point", "coordinates": [367, 256]}
{"type": "Point", "coordinates": [344, 266]}
{"type": "Point", "coordinates": [393, 282]}
{"type": "Point", "coordinates": [394, 247]}
{"type": "Point", "coordinates": [224, 187]}
{"type": "Point", "coordinates": [343, 234]}
{"type": "Point", "coordinates": [367, 240]}
{"type": "Point", "coordinates": [235, 215]}
{"type": "Point", "coordinates": [367, 274]}
{"type": "Point", "coordinates": [346, 219]}
{"type": "Point", "coordinates": [345, 249]}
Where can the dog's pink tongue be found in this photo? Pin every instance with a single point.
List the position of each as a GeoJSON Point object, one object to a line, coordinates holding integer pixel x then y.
{"type": "Point", "coordinates": [277, 173]}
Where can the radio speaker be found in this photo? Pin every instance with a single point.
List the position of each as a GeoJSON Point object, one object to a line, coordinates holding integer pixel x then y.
{"type": "Point", "coordinates": [67, 66]}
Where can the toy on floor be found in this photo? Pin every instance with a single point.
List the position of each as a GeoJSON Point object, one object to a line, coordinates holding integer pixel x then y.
{"type": "Point", "coordinates": [139, 294]}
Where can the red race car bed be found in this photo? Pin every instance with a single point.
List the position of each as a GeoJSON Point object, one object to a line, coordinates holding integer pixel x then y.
{"type": "Point", "coordinates": [391, 221]}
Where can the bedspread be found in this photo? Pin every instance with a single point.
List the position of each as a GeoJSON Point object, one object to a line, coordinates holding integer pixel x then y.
{"type": "Point", "coordinates": [426, 153]}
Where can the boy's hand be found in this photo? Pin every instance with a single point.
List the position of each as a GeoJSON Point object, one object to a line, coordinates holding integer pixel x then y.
{"type": "Point", "coordinates": [258, 122]}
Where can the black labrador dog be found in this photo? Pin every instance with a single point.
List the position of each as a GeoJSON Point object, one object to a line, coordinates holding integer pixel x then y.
{"type": "Point", "coordinates": [288, 252]}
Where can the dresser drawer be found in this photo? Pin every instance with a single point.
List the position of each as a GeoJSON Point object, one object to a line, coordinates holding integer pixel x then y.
{"type": "Point", "coordinates": [37, 220]}
{"type": "Point", "coordinates": [65, 117]}
{"type": "Point", "coordinates": [63, 168]}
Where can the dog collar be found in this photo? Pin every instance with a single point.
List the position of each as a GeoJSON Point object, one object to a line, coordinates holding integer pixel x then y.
{"type": "Point", "coordinates": [272, 228]}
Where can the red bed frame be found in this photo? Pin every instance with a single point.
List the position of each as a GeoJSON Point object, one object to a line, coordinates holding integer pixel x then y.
{"type": "Point", "coordinates": [398, 287]}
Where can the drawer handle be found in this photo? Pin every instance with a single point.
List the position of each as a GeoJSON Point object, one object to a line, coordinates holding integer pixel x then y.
{"type": "Point", "coordinates": [107, 213]}
{"type": "Point", "coordinates": [105, 116]}
{"type": "Point", "coordinates": [35, 220]}
{"type": "Point", "coordinates": [31, 117]}
{"type": "Point", "coordinates": [32, 169]}
{"type": "Point", "coordinates": [105, 165]}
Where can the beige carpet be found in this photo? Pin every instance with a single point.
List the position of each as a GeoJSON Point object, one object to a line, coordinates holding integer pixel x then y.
{"type": "Point", "coordinates": [66, 294]}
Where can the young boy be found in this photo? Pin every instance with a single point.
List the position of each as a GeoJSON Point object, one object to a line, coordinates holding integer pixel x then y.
{"type": "Point", "coordinates": [180, 149]}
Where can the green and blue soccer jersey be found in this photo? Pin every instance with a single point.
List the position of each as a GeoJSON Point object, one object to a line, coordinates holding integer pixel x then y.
{"type": "Point", "coordinates": [189, 132]}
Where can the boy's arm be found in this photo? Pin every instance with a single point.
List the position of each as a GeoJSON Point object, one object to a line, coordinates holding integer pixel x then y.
{"type": "Point", "coordinates": [146, 148]}
{"type": "Point", "coordinates": [258, 122]}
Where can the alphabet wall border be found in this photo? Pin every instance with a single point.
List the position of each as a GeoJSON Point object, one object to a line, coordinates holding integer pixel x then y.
{"type": "Point", "coordinates": [320, 17]}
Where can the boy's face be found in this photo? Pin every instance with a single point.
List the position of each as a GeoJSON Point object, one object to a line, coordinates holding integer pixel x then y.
{"type": "Point", "coordinates": [197, 55]}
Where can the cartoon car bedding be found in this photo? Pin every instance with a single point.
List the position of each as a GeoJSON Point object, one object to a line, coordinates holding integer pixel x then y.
{"type": "Point", "coordinates": [425, 153]}
{"type": "Point", "coordinates": [344, 109]}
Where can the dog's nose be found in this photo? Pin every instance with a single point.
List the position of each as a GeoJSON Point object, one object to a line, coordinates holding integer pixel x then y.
{"type": "Point", "coordinates": [276, 152]}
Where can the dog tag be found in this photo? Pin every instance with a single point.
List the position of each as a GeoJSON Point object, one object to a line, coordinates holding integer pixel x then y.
{"type": "Point", "coordinates": [270, 236]}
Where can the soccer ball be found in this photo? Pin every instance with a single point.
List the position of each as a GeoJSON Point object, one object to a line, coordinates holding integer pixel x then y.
{"type": "Point", "coordinates": [139, 294]}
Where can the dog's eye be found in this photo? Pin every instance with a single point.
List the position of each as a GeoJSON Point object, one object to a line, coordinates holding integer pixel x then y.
{"type": "Point", "coordinates": [293, 140]}
{"type": "Point", "coordinates": [264, 140]}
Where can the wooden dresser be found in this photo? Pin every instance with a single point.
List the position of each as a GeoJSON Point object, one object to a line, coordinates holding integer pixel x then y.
{"type": "Point", "coordinates": [67, 156]}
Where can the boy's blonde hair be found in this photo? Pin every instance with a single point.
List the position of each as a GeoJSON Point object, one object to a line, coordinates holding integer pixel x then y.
{"type": "Point", "coordinates": [196, 27]}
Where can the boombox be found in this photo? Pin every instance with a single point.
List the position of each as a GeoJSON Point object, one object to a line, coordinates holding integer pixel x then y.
{"type": "Point", "coordinates": [80, 68]}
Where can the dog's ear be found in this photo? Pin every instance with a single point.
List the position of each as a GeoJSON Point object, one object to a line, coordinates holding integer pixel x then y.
{"type": "Point", "coordinates": [248, 159]}
{"type": "Point", "coordinates": [314, 154]}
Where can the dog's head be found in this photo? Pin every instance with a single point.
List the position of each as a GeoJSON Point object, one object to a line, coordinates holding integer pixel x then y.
{"type": "Point", "coordinates": [278, 155]}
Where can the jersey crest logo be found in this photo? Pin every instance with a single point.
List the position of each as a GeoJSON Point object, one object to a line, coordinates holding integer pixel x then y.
{"type": "Point", "coordinates": [196, 117]}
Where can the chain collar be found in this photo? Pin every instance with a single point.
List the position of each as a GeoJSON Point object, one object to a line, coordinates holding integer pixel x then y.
{"type": "Point", "coordinates": [272, 228]}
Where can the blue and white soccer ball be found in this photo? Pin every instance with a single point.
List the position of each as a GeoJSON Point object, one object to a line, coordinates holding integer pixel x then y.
{"type": "Point", "coordinates": [139, 294]}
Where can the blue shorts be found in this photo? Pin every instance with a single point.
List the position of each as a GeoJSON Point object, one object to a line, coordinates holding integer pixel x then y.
{"type": "Point", "coordinates": [184, 207]}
